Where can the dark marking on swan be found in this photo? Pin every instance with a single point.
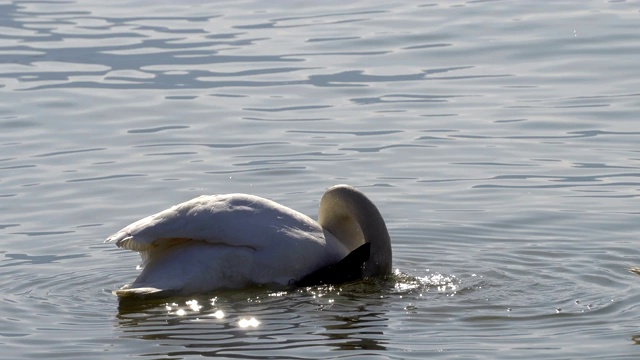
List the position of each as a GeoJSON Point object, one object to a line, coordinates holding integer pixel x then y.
{"type": "Point", "coordinates": [348, 269]}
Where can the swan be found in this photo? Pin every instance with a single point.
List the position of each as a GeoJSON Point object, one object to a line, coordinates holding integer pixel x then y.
{"type": "Point", "coordinates": [233, 241]}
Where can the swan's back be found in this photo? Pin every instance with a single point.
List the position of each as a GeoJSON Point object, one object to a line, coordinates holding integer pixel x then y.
{"type": "Point", "coordinates": [233, 219]}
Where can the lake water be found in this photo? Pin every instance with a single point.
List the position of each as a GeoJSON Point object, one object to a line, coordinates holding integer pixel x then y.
{"type": "Point", "coordinates": [499, 139]}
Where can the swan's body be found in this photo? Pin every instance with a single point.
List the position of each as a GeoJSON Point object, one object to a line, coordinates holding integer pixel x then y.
{"type": "Point", "coordinates": [237, 240]}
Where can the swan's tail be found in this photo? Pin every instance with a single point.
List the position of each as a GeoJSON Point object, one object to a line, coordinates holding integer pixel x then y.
{"type": "Point", "coordinates": [137, 292]}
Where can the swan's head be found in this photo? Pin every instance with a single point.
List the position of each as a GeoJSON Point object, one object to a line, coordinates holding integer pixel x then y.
{"type": "Point", "coordinates": [354, 220]}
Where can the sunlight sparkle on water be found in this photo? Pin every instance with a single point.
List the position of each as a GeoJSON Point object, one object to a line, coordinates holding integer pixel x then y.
{"type": "Point", "coordinates": [244, 323]}
{"type": "Point", "coordinates": [193, 304]}
{"type": "Point", "coordinates": [218, 314]}
{"type": "Point", "coordinates": [443, 283]}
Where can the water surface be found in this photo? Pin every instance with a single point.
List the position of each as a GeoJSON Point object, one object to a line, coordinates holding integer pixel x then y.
{"type": "Point", "coordinates": [498, 138]}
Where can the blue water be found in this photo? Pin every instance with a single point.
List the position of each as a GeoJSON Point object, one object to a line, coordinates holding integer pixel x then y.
{"type": "Point", "coordinates": [499, 139]}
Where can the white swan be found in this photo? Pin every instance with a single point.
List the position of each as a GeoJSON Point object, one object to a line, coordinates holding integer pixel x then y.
{"type": "Point", "coordinates": [237, 240]}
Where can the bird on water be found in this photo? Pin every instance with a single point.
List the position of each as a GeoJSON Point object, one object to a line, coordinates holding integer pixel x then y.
{"type": "Point", "coordinates": [233, 241]}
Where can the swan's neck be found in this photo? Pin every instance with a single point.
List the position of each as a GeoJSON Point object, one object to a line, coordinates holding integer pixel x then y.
{"type": "Point", "coordinates": [352, 218]}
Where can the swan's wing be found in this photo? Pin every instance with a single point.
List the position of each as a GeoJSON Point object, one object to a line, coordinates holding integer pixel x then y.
{"type": "Point", "coordinates": [233, 219]}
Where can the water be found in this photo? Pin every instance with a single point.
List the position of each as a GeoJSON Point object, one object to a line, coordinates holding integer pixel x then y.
{"type": "Point", "coordinates": [498, 138]}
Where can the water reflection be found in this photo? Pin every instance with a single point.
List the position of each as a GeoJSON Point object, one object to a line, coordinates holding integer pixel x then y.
{"type": "Point", "coordinates": [353, 316]}
{"type": "Point", "coordinates": [286, 320]}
